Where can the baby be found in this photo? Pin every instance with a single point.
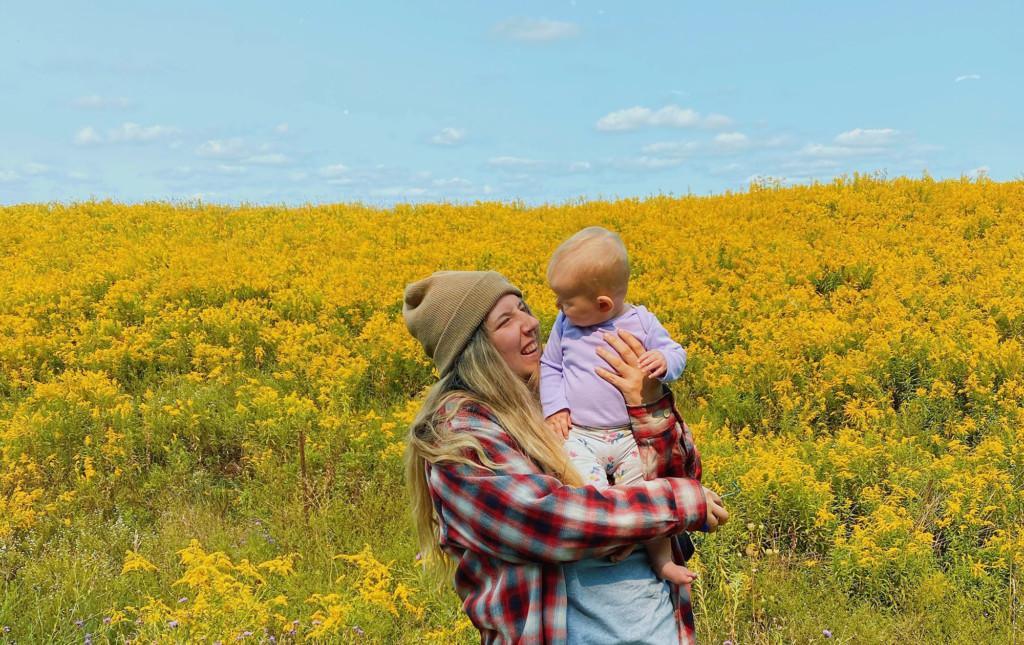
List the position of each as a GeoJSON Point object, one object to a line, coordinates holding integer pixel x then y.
{"type": "Point", "coordinates": [589, 274]}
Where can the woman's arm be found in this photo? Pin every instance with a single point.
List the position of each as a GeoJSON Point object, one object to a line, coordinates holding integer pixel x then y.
{"type": "Point", "coordinates": [665, 443]}
{"type": "Point", "coordinates": [521, 515]}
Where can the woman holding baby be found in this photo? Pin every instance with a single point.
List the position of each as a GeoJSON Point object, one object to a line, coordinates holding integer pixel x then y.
{"type": "Point", "coordinates": [497, 500]}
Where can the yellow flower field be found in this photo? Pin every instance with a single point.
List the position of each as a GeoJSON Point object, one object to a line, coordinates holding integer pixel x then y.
{"type": "Point", "coordinates": [202, 409]}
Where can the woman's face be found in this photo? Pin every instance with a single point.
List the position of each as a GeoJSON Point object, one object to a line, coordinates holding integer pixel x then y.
{"type": "Point", "coordinates": [514, 333]}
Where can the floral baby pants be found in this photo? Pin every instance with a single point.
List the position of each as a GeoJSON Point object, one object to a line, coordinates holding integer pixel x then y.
{"type": "Point", "coordinates": [604, 456]}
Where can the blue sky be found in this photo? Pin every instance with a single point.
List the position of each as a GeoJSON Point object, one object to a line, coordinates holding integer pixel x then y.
{"type": "Point", "coordinates": [390, 102]}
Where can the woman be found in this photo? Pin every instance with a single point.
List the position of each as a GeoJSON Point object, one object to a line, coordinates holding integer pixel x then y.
{"type": "Point", "coordinates": [496, 502]}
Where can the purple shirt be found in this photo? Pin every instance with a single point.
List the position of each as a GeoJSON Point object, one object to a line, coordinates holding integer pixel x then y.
{"type": "Point", "coordinates": [567, 376]}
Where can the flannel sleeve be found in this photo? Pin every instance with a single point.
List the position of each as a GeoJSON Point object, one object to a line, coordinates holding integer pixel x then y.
{"type": "Point", "coordinates": [675, 354]}
{"type": "Point", "coordinates": [664, 440]}
{"type": "Point", "coordinates": [552, 379]}
{"type": "Point", "coordinates": [518, 514]}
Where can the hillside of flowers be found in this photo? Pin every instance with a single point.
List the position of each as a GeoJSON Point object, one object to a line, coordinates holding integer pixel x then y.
{"type": "Point", "coordinates": [202, 409]}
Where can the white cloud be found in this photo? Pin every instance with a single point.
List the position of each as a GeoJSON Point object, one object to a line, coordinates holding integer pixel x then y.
{"type": "Point", "coordinates": [78, 175]}
{"type": "Point", "coordinates": [397, 191]}
{"type": "Point", "coordinates": [579, 166]}
{"type": "Point", "coordinates": [228, 169]}
{"type": "Point", "coordinates": [129, 132]}
{"type": "Point", "coordinates": [980, 171]}
{"type": "Point", "coordinates": [513, 163]}
{"type": "Point", "coordinates": [867, 137]}
{"type": "Point", "coordinates": [222, 148]}
{"type": "Point", "coordinates": [449, 137]}
{"type": "Point", "coordinates": [670, 116]}
{"type": "Point", "coordinates": [452, 182]}
{"type": "Point", "coordinates": [731, 140]}
{"type": "Point", "coordinates": [726, 169]}
{"type": "Point", "coordinates": [88, 136]}
{"type": "Point", "coordinates": [537, 31]}
{"type": "Point", "coordinates": [819, 150]}
{"type": "Point", "coordinates": [33, 168]}
{"type": "Point", "coordinates": [967, 77]}
{"type": "Point", "coordinates": [271, 159]}
{"type": "Point", "coordinates": [9, 176]}
{"type": "Point", "coordinates": [670, 148]}
{"type": "Point", "coordinates": [281, 128]}
{"type": "Point", "coordinates": [717, 121]}
{"type": "Point", "coordinates": [334, 171]}
{"type": "Point", "coordinates": [96, 102]}
{"type": "Point", "coordinates": [646, 162]}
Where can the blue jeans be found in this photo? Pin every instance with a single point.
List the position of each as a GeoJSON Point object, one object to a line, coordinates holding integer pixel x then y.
{"type": "Point", "coordinates": [618, 603]}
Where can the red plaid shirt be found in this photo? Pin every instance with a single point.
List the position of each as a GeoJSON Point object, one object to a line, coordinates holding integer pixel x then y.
{"type": "Point", "coordinates": [509, 530]}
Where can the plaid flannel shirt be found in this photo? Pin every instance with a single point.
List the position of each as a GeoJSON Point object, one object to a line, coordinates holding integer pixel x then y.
{"type": "Point", "coordinates": [510, 529]}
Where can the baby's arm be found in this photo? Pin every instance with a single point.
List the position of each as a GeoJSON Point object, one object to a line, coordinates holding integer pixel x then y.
{"type": "Point", "coordinates": [552, 383]}
{"type": "Point", "coordinates": [673, 354]}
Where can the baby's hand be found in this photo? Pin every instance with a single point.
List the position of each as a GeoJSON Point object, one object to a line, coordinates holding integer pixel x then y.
{"type": "Point", "coordinates": [653, 362]}
{"type": "Point", "coordinates": [560, 422]}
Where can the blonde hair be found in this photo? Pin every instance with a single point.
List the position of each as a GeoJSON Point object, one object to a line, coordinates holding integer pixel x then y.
{"type": "Point", "coordinates": [597, 260]}
{"type": "Point", "coordinates": [479, 376]}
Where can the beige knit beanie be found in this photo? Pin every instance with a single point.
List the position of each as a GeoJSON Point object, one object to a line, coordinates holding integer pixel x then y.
{"type": "Point", "coordinates": [443, 310]}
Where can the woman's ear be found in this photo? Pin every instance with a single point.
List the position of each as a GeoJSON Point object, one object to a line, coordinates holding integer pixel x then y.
{"type": "Point", "coordinates": [605, 304]}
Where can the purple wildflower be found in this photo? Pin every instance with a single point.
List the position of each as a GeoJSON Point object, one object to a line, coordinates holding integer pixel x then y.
{"type": "Point", "coordinates": [172, 624]}
{"type": "Point", "coordinates": [827, 633]}
{"type": "Point", "coordinates": [7, 629]}
{"type": "Point", "coordinates": [359, 630]}
{"type": "Point", "coordinates": [106, 620]}
{"type": "Point", "coordinates": [182, 599]}
{"type": "Point", "coordinates": [79, 623]}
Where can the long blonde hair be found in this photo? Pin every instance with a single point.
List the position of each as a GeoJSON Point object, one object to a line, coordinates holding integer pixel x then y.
{"type": "Point", "coordinates": [480, 375]}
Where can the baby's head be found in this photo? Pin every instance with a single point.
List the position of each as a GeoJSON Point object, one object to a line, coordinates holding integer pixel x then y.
{"type": "Point", "coordinates": [589, 273]}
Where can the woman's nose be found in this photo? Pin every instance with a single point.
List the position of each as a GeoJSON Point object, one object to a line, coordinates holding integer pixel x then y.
{"type": "Point", "coordinates": [530, 325]}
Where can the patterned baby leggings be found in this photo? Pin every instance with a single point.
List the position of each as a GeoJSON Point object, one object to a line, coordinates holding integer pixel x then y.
{"type": "Point", "coordinates": [604, 456]}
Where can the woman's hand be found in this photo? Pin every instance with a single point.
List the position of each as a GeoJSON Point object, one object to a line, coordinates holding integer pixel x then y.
{"type": "Point", "coordinates": [717, 515]}
{"type": "Point", "coordinates": [636, 385]}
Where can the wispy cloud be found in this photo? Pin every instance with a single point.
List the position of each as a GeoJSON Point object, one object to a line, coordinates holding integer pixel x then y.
{"type": "Point", "coordinates": [97, 102]}
{"type": "Point", "coordinates": [513, 163]}
{"type": "Point", "coordinates": [868, 137]}
{"type": "Point", "coordinates": [449, 137]}
{"type": "Point", "coordinates": [967, 77]}
{"type": "Point", "coordinates": [334, 170]}
{"type": "Point", "coordinates": [821, 151]}
{"type": "Point", "coordinates": [223, 148]}
{"type": "Point", "coordinates": [127, 132]}
{"type": "Point", "coordinates": [134, 133]}
{"type": "Point", "coordinates": [671, 148]}
{"type": "Point", "coordinates": [536, 30]}
{"type": "Point", "coordinates": [270, 159]}
{"type": "Point", "coordinates": [670, 116]}
{"type": "Point", "coordinates": [87, 136]}
{"type": "Point", "coordinates": [731, 141]}
{"type": "Point", "coordinates": [281, 128]}
{"type": "Point", "coordinates": [398, 192]}
{"type": "Point", "coordinates": [35, 169]}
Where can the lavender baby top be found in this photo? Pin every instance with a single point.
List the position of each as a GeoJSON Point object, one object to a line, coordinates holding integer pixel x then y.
{"type": "Point", "coordinates": [567, 376]}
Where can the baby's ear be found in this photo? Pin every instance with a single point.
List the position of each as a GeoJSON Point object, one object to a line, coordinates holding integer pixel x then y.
{"type": "Point", "coordinates": [604, 303]}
